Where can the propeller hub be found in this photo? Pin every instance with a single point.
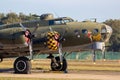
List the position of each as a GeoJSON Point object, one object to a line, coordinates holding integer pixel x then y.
{"type": "Point", "coordinates": [27, 34]}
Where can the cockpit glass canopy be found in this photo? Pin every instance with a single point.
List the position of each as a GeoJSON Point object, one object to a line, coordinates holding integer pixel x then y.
{"type": "Point", "coordinates": [60, 21]}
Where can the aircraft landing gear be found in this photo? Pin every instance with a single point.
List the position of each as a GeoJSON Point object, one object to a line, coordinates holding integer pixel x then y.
{"type": "Point", "coordinates": [22, 65]}
{"type": "Point", "coordinates": [57, 65]}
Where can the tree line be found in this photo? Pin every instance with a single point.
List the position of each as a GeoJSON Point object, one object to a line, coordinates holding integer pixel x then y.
{"type": "Point", "coordinates": [13, 17]}
{"type": "Point", "coordinates": [114, 23]}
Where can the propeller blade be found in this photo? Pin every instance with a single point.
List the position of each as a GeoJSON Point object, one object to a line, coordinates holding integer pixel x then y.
{"type": "Point", "coordinates": [61, 38]}
{"type": "Point", "coordinates": [30, 42]}
{"type": "Point", "coordinates": [103, 54]}
{"type": "Point", "coordinates": [51, 29]}
{"type": "Point", "coordinates": [35, 29]}
{"type": "Point", "coordinates": [94, 56]}
{"type": "Point", "coordinates": [62, 35]}
{"type": "Point", "coordinates": [24, 28]}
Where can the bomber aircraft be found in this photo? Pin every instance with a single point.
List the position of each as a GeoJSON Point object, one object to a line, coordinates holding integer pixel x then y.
{"type": "Point", "coordinates": [50, 35]}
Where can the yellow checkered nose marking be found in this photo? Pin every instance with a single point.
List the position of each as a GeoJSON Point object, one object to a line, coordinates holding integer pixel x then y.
{"type": "Point", "coordinates": [52, 40]}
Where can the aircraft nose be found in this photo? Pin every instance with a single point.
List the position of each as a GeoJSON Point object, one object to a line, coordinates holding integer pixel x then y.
{"type": "Point", "coordinates": [106, 33]}
{"type": "Point", "coordinates": [109, 29]}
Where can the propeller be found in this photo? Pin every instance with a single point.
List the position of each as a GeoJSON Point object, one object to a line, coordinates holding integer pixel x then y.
{"type": "Point", "coordinates": [58, 46]}
{"type": "Point", "coordinates": [54, 39]}
{"type": "Point", "coordinates": [94, 56]}
{"type": "Point", "coordinates": [103, 54]}
{"type": "Point", "coordinates": [24, 28]}
{"type": "Point", "coordinates": [29, 37]}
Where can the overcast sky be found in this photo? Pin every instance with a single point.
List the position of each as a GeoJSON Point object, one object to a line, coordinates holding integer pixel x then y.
{"type": "Point", "coordinates": [77, 9]}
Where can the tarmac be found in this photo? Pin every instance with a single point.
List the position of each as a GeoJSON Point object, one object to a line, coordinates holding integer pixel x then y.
{"type": "Point", "coordinates": [87, 75]}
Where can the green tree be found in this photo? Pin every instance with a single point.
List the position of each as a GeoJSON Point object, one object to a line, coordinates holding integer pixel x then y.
{"type": "Point", "coordinates": [14, 18]}
{"type": "Point", "coordinates": [1, 16]}
{"type": "Point", "coordinates": [11, 18]}
{"type": "Point", "coordinates": [24, 17]}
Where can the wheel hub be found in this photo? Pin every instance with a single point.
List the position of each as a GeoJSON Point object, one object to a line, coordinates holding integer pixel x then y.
{"type": "Point", "coordinates": [21, 65]}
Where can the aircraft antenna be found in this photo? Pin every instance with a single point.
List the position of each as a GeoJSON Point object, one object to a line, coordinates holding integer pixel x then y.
{"type": "Point", "coordinates": [51, 29]}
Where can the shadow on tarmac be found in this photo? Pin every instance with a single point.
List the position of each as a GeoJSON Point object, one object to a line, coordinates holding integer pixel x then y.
{"type": "Point", "coordinates": [6, 70]}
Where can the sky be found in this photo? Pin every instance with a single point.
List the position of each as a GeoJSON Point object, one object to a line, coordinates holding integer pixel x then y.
{"type": "Point", "coordinates": [77, 9]}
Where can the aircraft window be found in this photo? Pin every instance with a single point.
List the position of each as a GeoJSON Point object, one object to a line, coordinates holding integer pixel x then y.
{"type": "Point", "coordinates": [58, 22]}
{"type": "Point", "coordinates": [77, 32]}
{"type": "Point", "coordinates": [95, 31]}
{"type": "Point", "coordinates": [67, 20]}
{"type": "Point", "coordinates": [51, 22]}
{"type": "Point", "coordinates": [84, 31]}
{"type": "Point", "coordinates": [103, 30]}
{"type": "Point", "coordinates": [71, 20]}
{"type": "Point", "coordinates": [103, 33]}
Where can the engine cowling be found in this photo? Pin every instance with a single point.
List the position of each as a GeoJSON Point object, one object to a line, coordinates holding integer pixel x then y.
{"type": "Point", "coordinates": [53, 40]}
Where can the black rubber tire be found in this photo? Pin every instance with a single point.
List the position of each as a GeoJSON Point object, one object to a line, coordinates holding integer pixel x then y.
{"type": "Point", "coordinates": [22, 65]}
{"type": "Point", "coordinates": [60, 67]}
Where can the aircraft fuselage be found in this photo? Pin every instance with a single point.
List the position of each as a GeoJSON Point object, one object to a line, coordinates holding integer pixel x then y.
{"type": "Point", "coordinates": [71, 33]}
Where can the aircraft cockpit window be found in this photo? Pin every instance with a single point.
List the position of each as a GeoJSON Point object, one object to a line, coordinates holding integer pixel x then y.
{"type": "Point", "coordinates": [60, 21]}
{"type": "Point", "coordinates": [84, 31]}
{"type": "Point", "coordinates": [56, 22]}
{"type": "Point", "coordinates": [67, 20]}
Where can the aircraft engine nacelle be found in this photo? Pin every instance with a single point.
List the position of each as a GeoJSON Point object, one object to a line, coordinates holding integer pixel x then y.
{"type": "Point", "coordinates": [22, 39]}
{"type": "Point", "coordinates": [53, 40]}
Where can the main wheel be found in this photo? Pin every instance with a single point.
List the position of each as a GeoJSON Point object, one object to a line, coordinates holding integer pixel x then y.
{"type": "Point", "coordinates": [58, 66]}
{"type": "Point", "coordinates": [22, 65]}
